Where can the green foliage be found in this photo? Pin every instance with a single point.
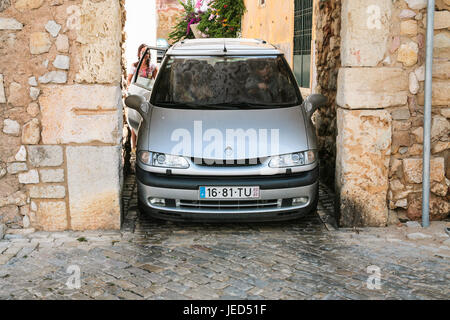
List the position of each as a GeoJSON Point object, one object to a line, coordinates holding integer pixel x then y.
{"type": "Point", "coordinates": [221, 20]}
{"type": "Point", "coordinates": [179, 31]}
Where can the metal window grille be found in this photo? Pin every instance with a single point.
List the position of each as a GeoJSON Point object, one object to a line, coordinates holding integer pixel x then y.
{"type": "Point", "coordinates": [302, 40]}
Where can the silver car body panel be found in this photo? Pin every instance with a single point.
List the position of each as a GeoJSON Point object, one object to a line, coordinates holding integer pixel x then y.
{"type": "Point", "coordinates": [257, 170]}
{"type": "Point", "coordinates": [284, 125]}
{"type": "Point", "coordinates": [242, 213]}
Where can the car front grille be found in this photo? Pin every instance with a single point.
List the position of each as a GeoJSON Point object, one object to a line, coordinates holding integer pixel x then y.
{"type": "Point", "coordinates": [227, 163]}
{"type": "Point", "coordinates": [229, 204]}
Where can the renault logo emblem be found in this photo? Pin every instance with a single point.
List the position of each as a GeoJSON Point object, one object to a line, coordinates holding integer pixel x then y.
{"type": "Point", "coordinates": [229, 151]}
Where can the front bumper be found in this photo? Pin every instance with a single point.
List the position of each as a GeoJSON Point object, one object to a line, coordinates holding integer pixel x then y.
{"type": "Point", "coordinates": [182, 197]}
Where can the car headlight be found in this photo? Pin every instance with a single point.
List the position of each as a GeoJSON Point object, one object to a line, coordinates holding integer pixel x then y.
{"type": "Point", "coordinates": [293, 159]}
{"type": "Point", "coordinates": [163, 160]}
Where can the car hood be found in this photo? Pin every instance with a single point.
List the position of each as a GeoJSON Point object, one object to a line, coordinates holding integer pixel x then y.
{"type": "Point", "coordinates": [210, 134]}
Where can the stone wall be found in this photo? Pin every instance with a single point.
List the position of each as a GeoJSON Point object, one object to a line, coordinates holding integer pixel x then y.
{"type": "Point", "coordinates": [273, 22]}
{"type": "Point", "coordinates": [167, 12]}
{"type": "Point", "coordinates": [407, 50]}
{"type": "Point", "coordinates": [327, 60]}
{"type": "Point", "coordinates": [60, 114]}
{"type": "Point", "coordinates": [380, 119]}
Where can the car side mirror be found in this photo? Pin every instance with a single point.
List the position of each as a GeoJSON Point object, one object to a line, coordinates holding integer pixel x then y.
{"type": "Point", "coordinates": [137, 103]}
{"type": "Point", "coordinates": [314, 102]}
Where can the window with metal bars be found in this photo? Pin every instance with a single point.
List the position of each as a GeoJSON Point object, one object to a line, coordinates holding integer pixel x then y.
{"type": "Point", "coordinates": [302, 41]}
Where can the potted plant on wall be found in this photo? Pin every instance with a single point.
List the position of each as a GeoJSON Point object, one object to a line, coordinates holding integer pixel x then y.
{"type": "Point", "coordinates": [187, 24]}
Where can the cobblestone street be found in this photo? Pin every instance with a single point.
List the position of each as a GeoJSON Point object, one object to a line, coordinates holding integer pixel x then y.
{"type": "Point", "coordinates": [150, 259]}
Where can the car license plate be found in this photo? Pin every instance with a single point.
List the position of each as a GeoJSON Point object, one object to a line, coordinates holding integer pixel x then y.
{"type": "Point", "coordinates": [229, 193]}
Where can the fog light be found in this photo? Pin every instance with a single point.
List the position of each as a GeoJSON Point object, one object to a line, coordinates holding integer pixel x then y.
{"type": "Point", "coordinates": [158, 202]}
{"type": "Point", "coordinates": [299, 201]}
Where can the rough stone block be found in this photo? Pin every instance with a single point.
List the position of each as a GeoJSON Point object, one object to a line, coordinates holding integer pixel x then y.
{"type": "Point", "coordinates": [34, 93]}
{"type": "Point", "coordinates": [361, 18]}
{"type": "Point", "coordinates": [45, 156]}
{"type": "Point", "coordinates": [47, 192]}
{"type": "Point", "coordinates": [362, 166]}
{"type": "Point", "coordinates": [16, 167]}
{"type": "Point", "coordinates": [17, 95]}
{"type": "Point", "coordinates": [52, 216]}
{"type": "Point", "coordinates": [440, 128]}
{"type": "Point", "coordinates": [54, 77]}
{"type": "Point", "coordinates": [33, 109]}
{"type": "Point", "coordinates": [408, 28]}
{"type": "Point", "coordinates": [39, 43]}
{"type": "Point", "coordinates": [29, 177]}
{"type": "Point", "coordinates": [441, 69]}
{"type": "Point", "coordinates": [62, 43]}
{"type": "Point", "coordinates": [442, 45]}
{"type": "Point", "coordinates": [408, 54]}
{"type": "Point", "coordinates": [412, 170]}
{"type": "Point", "coordinates": [21, 155]}
{"type": "Point", "coordinates": [2, 90]}
{"type": "Point", "coordinates": [11, 127]}
{"type": "Point", "coordinates": [81, 114]}
{"type": "Point", "coordinates": [32, 81]}
{"type": "Point", "coordinates": [440, 146]}
{"type": "Point", "coordinates": [53, 28]}
{"type": "Point", "coordinates": [441, 94]}
{"type": "Point", "coordinates": [31, 132]}
{"type": "Point", "coordinates": [441, 20]}
{"type": "Point", "coordinates": [439, 207]}
{"type": "Point", "coordinates": [10, 24]}
{"type": "Point", "coordinates": [62, 62]}
{"type": "Point", "coordinates": [23, 5]}
{"type": "Point", "coordinates": [94, 187]}
{"type": "Point", "coordinates": [4, 4]}
{"type": "Point", "coordinates": [417, 4]}
{"type": "Point", "coordinates": [10, 215]}
{"type": "Point", "coordinates": [407, 14]}
{"type": "Point", "coordinates": [52, 175]}
{"type": "Point", "coordinates": [100, 37]}
{"type": "Point", "coordinates": [400, 139]}
{"type": "Point", "coordinates": [401, 113]}
{"type": "Point", "coordinates": [366, 88]}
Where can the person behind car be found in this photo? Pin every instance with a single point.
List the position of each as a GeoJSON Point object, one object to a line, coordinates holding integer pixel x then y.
{"type": "Point", "coordinates": [147, 70]}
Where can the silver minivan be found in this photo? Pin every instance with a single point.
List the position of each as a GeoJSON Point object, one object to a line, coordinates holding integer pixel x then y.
{"type": "Point", "coordinates": [224, 135]}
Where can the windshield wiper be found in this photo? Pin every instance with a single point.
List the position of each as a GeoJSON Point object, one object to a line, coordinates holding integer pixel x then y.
{"type": "Point", "coordinates": [177, 105]}
{"type": "Point", "coordinates": [223, 106]}
{"type": "Point", "coordinates": [247, 104]}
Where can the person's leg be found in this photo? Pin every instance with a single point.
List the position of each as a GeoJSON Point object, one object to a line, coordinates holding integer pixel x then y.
{"type": "Point", "coordinates": [133, 140]}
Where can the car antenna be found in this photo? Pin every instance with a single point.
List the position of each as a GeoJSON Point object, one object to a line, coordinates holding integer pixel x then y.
{"type": "Point", "coordinates": [224, 47]}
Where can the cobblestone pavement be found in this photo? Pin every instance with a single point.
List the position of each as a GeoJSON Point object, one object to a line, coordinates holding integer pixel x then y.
{"type": "Point", "coordinates": [150, 259]}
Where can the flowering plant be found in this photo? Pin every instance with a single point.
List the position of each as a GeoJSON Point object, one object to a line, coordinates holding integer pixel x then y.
{"type": "Point", "coordinates": [223, 18]}
{"type": "Point", "coordinates": [191, 15]}
{"type": "Point", "coordinates": [215, 19]}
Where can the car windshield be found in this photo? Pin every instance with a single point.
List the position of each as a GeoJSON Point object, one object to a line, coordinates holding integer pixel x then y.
{"type": "Point", "coordinates": [226, 82]}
